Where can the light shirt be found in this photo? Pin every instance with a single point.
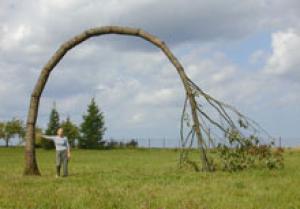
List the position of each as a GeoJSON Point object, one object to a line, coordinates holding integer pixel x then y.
{"type": "Point", "coordinates": [61, 143]}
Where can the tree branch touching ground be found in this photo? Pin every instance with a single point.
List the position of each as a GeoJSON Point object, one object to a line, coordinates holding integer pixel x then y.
{"type": "Point", "coordinates": [193, 92]}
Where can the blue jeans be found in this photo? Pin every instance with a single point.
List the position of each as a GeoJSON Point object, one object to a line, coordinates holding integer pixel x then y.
{"type": "Point", "coordinates": [61, 160]}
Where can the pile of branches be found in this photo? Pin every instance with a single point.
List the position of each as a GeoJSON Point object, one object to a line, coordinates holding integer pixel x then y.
{"type": "Point", "coordinates": [247, 152]}
{"type": "Point", "coordinates": [239, 140]}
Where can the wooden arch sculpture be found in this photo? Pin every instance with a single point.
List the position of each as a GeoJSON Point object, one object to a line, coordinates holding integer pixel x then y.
{"type": "Point", "coordinates": [31, 167]}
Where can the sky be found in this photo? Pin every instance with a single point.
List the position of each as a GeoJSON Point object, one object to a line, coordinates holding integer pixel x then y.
{"type": "Point", "coordinates": [245, 53]}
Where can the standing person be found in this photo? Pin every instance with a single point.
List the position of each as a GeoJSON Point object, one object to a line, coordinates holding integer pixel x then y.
{"type": "Point", "coordinates": [63, 153]}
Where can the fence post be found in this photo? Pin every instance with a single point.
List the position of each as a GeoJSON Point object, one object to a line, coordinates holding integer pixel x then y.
{"type": "Point", "coordinates": [149, 143]}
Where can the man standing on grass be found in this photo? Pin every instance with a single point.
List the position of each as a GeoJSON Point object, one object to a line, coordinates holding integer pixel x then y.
{"type": "Point", "coordinates": [63, 153]}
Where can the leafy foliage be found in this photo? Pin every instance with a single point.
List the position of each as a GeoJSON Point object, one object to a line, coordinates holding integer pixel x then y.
{"type": "Point", "coordinates": [132, 143]}
{"type": "Point", "coordinates": [247, 152]}
{"type": "Point", "coordinates": [11, 128]}
{"type": "Point", "coordinates": [2, 130]}
{"type": "Point", "coordinates": [71, 131]}
{"type": "Point", "coordinates": [115, 144]}
{"type": "Point", "coordinates": [92, 128]}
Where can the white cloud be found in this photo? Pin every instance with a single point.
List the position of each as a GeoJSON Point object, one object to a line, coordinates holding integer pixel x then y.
{"type": "Point", "coordinates": [137, 118]}
{"type": "Point", "coordinates": [160, 97]}
{"type": "Point", "coordinates": [12, 37]}
{"type": "Point", "coordinates": [285, 58]}
{"type": "Point", "coordinates": [131, 80]}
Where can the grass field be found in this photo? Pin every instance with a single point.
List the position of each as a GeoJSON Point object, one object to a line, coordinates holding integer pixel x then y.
{"type": "Point", "coordinates": [141, 178]}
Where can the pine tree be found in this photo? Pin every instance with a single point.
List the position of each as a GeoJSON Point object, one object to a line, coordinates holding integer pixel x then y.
{"type": "Point", "coordinates": [92, 128]}
{"type": "Point", "coordinates": [71, 131]}
{"type": "Point", "coordinates": [52, 128]}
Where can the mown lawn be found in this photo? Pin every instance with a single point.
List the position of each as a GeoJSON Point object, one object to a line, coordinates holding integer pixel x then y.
{"type": "Point", "coordinates": [143, 179]}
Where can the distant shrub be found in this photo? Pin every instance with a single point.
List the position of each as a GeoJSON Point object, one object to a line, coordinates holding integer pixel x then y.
{"type": "Point", "coordinates": [113, 144]}
{"type": "Point", "coordinates": [132, 143]}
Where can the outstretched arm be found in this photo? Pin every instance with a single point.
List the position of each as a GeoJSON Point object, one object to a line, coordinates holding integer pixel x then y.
{"type": "Point", "coordinates": [48, 137]}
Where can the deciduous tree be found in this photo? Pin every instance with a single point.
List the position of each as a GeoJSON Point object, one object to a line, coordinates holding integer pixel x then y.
{"type": "Point", "coordinates": [9, 129]}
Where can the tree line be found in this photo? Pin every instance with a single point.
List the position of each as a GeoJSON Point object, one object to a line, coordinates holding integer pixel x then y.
{"type": "Point", "coordinates": [89, 134]}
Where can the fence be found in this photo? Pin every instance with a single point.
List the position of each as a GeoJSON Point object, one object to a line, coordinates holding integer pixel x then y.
{"type": "Point", "coordinates": [151, 142]}
{"type": "Point", "coordinates": [169, 142]}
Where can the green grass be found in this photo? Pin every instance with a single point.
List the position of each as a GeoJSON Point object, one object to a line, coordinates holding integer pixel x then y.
{"type": "Point", "coordinates": [143, 179]}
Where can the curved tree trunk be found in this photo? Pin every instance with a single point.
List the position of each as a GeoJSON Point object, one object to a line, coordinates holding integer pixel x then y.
{"type": "Point", "coordinates": [31, 167]}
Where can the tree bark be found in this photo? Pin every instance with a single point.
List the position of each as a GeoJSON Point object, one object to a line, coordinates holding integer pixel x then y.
{"type": "Point", "coordinates": [31, 167]}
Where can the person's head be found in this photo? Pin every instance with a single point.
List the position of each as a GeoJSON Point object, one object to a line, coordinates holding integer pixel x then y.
{"type": "Point", "coordinates": [60, 132]}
